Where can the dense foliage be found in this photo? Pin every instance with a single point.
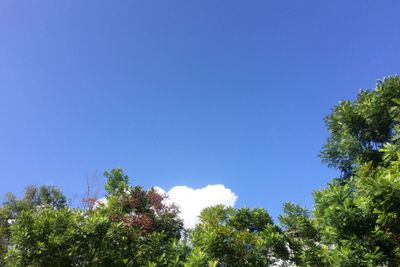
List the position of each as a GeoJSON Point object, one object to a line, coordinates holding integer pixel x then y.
{"type": "Point", "coordinates": [237, 237]}
{"type": "Point", "coordinates": [359, 129]}
{"type": "Point", "coordinates": [355, 220]}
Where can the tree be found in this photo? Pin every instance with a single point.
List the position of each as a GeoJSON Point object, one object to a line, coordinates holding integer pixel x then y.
{"type": "Point", "coordinates": [132, 227]}
{"type": "Point", "coordinates": [359, 129]}
{"type": "Point", "coordinates": [237, 237]}
{"type": "Point", "coordinates": [34, 197]}
{"type": "Point", "coordinates": [117, 181]}
{"type": "Point", "coordinates": [358, 218]}
{"type": "Point", "coordinates": [355, 221]}
{"type": "Point", "coordinates": [359, 221]}
{"type": "Point", "coordinates": [45, 237]}
{"type": "Point", "coordinates": [302, 235]}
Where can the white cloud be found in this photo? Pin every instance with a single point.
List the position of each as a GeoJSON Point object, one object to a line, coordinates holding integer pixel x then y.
{"type": "Point", "coordinates": [192, 201]}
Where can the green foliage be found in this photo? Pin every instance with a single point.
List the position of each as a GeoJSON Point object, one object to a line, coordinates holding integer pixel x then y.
{"type": "Point", "coordinates": [359, 220]}
{"type": "Point", "coordinates": [359, 129]}
{"type": "Point", "coordinates": [302, 235]}
{"type": "Point", "coordinates": [345, 230]}
{"type": "Point", "coordinates": [236, 237]}
{"type": "Point", "coordinates": [133, 227]}
{"type": "Point", "coordinates": [5, 214]}
{"type": "Point", "coordinates": [117, 181]}
{"type": "Point", "coordinates": [354, 223]}
{"type": "Point", "coordinates": [42, 238]}
{"type": "Point", "coordinates": [34, 198]}
{"type": "Point", "coordinates": [68, 237]}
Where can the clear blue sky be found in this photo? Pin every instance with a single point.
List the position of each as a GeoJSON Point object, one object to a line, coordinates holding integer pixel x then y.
{"type": "Point", "coordinates": [184, 92]}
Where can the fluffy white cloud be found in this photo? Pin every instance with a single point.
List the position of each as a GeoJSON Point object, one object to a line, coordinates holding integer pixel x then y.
{"type": "Point", "coordinates": [192, 201]}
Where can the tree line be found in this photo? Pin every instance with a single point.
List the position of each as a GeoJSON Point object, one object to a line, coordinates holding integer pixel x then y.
{"type": "Point", "coordinates": [355, 220]}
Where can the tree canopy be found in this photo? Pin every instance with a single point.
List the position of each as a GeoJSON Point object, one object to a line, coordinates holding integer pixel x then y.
{"type": "Point", "coordinates": [359, 129]}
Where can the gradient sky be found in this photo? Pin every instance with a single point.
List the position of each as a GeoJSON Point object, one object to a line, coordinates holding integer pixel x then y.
{"type": "Point", "coordinates": [184, 92]}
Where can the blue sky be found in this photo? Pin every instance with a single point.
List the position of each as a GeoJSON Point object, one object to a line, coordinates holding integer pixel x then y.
{"type": "Point", "coordinates": [184, 92]}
